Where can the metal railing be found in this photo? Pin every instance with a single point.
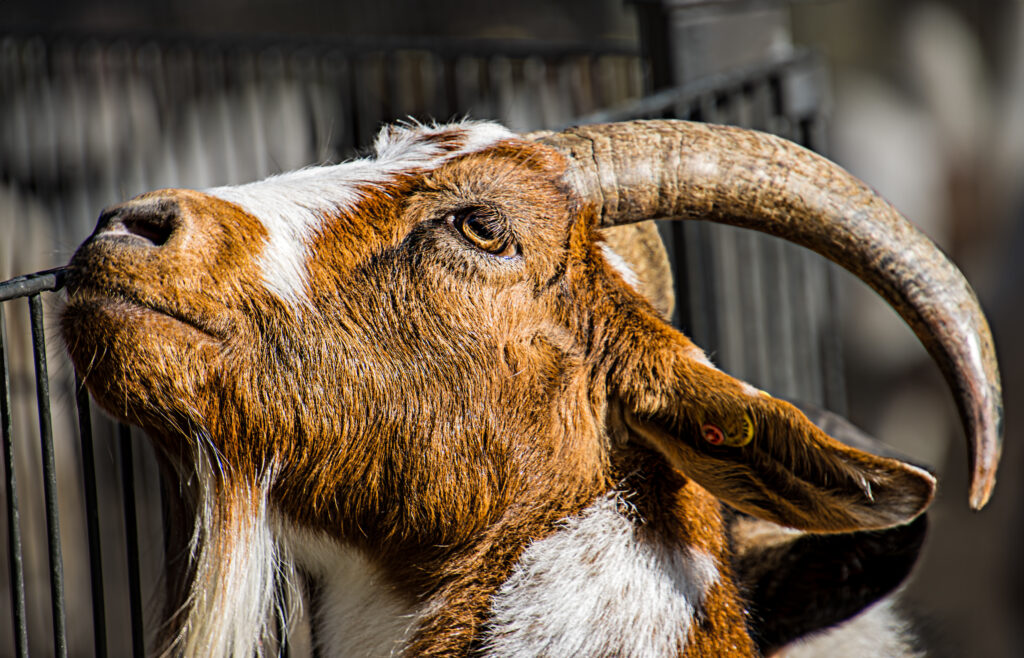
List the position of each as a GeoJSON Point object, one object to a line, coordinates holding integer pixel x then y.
{"type": "Point", "coordinates": [764, 309]}
{"type": "Point", "coordinates": [88, 121]}
{"type": "Point", "coordinates": [32, 288]}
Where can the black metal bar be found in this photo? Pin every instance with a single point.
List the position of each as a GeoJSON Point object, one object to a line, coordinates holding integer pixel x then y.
{"type": "Point", "coordinates": [15, 564]}
{"type": "Point", "coordinates": [92, 517]}
{"type": "Point", "coordinates": [658, 103]}
{"type": "Point", "coordinates": [355, 117]}
{"type": "Point", "coordinates": [655, 25]}
{"type": "Point", "coordinates": [49, 476]}
{"type": "Point", "coordinates": [31, 284]}
{"type": "Point", "coordinates": [832, 348]}
{"type": "Point", "coordinates": [131, 528]}
{"type": "Point", "coordinates": [449, 100]}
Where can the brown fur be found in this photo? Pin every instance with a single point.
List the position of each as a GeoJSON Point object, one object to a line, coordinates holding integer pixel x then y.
{"type": "Point", "coordinates": [441, 408]}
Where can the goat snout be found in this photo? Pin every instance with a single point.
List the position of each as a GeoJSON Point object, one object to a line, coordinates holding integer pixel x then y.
{"type": "Point", "coordinates": [164, 264]}
{"type": "Point", "coordinates": [171, 242]}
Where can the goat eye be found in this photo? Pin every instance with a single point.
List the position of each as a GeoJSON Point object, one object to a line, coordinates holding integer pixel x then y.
{"type": "Point", "coordinates": [484, 230]}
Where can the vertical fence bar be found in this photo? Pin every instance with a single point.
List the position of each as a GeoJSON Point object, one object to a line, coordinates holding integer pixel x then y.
{"type": "Point", "coordinates": [15, 564]}
{"type": "Point", "coordinates": [92, 516]}
{"type": "Point", "coordinates": [49, 477]}
{"type": "Point", "coordinates": [832, 348]}
{"type": "Point", "coordinates": [131, 529]}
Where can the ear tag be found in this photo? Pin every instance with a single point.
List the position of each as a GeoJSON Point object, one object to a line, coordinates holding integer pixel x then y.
{"type": "Point", "coordinates": [714, 435]}
{"type": "Point", "coordinates": [746, 434]}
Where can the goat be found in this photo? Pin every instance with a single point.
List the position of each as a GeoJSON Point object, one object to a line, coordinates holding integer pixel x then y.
{"type": "Point", "coordinates": [422, 386]}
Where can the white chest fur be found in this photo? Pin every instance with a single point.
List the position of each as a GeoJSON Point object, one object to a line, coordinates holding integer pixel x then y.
{"type": "Point", "coordinates": [598, 587]}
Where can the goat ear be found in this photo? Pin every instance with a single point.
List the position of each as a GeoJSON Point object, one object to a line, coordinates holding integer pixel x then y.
{"type": "Point", "coordinates": [759, 454]}
{"type": "Point", "coordinates": [796, 584]}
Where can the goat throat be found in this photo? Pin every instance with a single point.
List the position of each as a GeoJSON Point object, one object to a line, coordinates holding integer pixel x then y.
{"type": "Point", "coordinates": [355, 611]}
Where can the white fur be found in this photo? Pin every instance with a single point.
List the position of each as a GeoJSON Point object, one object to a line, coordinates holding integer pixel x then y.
{"type": "Point", "coordinates": [292, 206]}
{"type": "Point", "coordinates": [620, 265]}
{"type": "Point", "coordinates": [246, 563]}
{"type": "Point", "coordinates": [697, 354]}
{"type": "Point", "coordinates": [359, 614]}
{"type": "Point", "coordinates": [878, 632]}
{"type": "Point", "coordinates": [237, 564]}
{"type": "Point", "coordinates": [752, 390]}
{"type": "Point", "coordinates": [600, 586]}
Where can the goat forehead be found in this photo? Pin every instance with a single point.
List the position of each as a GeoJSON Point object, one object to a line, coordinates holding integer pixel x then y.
{"type": "Point", "coordinates": [293, 206]}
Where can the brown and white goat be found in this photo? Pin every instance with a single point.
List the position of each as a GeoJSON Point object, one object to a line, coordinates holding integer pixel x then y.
{"type": "Point", "coordinates": [423, 385]}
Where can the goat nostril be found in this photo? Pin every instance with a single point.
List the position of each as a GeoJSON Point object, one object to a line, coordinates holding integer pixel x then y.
{"type": "Point", "coordinates": [156, 232]}
{"type": "Point", "coordinates": [142, 222]}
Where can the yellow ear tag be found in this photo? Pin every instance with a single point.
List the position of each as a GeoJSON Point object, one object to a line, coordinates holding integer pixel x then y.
{"type": "Point", "coordinates": [746, 434]}
{"type": "Point", "coordinates": [714, 434]}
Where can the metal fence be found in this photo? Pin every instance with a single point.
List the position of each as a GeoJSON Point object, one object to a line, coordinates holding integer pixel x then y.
{"type": "Point", "coordinates": [764, 309]}
{"type": "Point", "coordinates": [85, 122]}
{"type": "Point", "coordinates": [88, 122]}
{"type": "Point", "coordinates": [27, 595]}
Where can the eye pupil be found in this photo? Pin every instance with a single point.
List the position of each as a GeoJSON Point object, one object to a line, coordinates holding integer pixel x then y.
{"type": "Point", "coordinates": [478, 226]}
{"type": "Point", "coordinates": [485, 230]}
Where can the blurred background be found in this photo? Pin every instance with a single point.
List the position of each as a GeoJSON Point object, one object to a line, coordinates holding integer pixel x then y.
{"type": "Point", "coordinates": [923, 99]}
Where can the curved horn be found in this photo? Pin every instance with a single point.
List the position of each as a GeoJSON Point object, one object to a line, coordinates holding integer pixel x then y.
{"type": "Point", "coordinates": [683, 170]}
